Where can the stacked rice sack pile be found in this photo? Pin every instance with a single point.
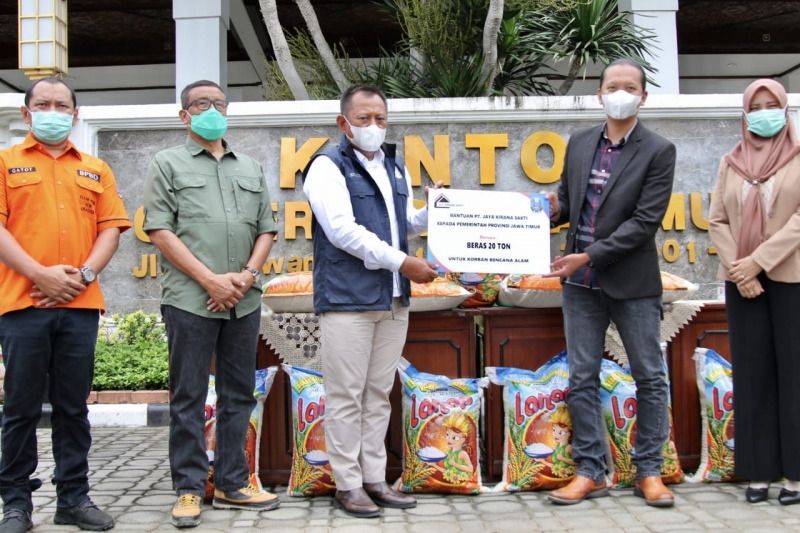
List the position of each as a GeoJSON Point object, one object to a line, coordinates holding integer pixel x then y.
{"type": "Point", "coordinates": [294, 293]}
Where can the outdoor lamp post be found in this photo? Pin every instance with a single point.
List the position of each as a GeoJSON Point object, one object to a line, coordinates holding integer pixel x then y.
{"type": "Point", "coordinates": [42, 37]}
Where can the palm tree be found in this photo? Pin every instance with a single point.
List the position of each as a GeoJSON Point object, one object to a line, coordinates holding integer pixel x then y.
{"type": "Point", "coordinates": [494, 18]}
{"type": "Point", "coordinates": [325, 52]}
{"type": "Point", "coordinates": [592, 31]}
{"type": "Point", "coordinates": [283, 56]}
{"type": "Point", "coordinates": [464, 47]}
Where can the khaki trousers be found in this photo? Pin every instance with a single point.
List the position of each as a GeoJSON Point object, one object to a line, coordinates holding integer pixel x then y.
{"type": "Point", "coordinates": [361, 351]}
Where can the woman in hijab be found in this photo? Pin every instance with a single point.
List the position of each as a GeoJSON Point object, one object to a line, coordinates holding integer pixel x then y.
{"type": "Point", "coordinates": [755, 225]}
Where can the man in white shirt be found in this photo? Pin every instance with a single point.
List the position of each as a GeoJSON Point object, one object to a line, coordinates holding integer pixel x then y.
{"type": "Point", "coordinates": [363, 214]}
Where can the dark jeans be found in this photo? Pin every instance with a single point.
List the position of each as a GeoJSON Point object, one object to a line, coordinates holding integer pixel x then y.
{"type": "Point", "coordinates": [586, 317]}
{"type": "Point", "coordinates": [765, 345]}
{"type": "Point", "coordinates": [192, 341]}
{"type": "Point", "coordinates": [38, 342]}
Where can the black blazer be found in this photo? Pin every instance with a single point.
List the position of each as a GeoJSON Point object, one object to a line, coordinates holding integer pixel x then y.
{"type": "Point", "coordinates": [633, 204]}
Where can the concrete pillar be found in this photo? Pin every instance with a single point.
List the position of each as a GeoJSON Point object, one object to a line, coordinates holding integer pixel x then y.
{"type": "Point", "coordinates": [658, 16]}
{"type": "Point", "coordinates": [201, 42]}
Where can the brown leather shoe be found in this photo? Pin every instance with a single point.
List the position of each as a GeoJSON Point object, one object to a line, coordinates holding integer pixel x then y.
{"type": "Point", "coordinates": [356, 503]}
{"type": "Point", "coordinates": [383, 495]}
{"type": "Point", "coordinates": [654, 492]}
{"type": "Point", "coordinates": [579, 489]}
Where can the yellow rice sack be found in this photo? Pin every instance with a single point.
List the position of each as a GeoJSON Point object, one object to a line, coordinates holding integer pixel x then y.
{"type": "Point", "coordinates": [715, 384]}
{"type": "Point", "coordinates": [311, 473]}
{"type": "Point", "coordinates": [441, 424]}
{"type": "Point", "coordinates": [538, 429]}
{"type": "Point", "coordinates": [263, 383]}
{"type": "Point", "coordinates": [618, 399]}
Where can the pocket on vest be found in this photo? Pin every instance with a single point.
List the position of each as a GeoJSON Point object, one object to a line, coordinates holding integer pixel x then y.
{"type": "Point", "coordinates": [352, 284]}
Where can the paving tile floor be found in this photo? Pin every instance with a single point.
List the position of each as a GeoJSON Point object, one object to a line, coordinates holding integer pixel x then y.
{"type": "Point", "coordinates": [130, 478]}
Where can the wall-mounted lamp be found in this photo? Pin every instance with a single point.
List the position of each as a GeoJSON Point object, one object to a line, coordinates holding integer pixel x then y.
{"type": "Point", "coordinates": [42, 37]}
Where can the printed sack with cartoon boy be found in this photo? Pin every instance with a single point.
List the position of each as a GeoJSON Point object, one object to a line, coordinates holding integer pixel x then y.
{"type": "Point", "coordinates": [311, 473]}
{"type": "Point", "coordinates": [441, 421]}
{"type": "Point", "coordinates": [538, 430]}
{"type": "Point", "coordinates": [618, 399]}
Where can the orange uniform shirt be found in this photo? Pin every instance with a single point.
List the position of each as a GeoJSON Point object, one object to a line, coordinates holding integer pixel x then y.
{"type": "Point", "coordinates": [55, 209]}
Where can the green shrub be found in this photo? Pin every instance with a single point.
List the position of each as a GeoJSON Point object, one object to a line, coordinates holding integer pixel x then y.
{"type": "Point", "coordinates": [133, 356]}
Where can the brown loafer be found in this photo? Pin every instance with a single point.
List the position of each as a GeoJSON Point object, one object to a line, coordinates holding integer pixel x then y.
{"type": "Point", "coordinates": [383, 495]}
{"type": "Point", "coordinates": [579, 489]}
{"type": "Point", "coordinates": [654, 492]}
{"type": "Point", "coordinates": [356, 503]}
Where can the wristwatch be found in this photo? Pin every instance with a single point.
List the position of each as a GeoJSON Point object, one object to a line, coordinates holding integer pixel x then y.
{"type": "Point", "coordinates": [252, 271]}
{"type": "Point", "coordinates": [87, 274]}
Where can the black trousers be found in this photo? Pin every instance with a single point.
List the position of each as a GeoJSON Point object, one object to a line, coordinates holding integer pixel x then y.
{"type": "Point", "coordinates": [192, 341]}
{"type": "Point", "coordinates": [765, 344]}
{"type": "Point", "coordinates": [38, 342]}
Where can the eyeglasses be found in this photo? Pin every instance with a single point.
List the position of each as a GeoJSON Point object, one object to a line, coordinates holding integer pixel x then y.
{"type": "Point", "coordinates": [204, 104]}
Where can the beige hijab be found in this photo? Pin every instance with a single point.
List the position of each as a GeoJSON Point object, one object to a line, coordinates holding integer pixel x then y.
{"type": "Point", "coordinates": [757, 159]}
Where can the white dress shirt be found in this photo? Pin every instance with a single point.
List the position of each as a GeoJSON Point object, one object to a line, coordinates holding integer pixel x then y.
{"type": "Point", "coordinates": [327, 193]}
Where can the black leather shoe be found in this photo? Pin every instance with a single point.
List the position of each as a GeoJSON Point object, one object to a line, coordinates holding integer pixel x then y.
{"type": "Point", "coordinates": [383, 495]}
{"type": "Point", "coordinates": [788, 497]}
{"type": "Point", "coordinates": [85, 515]}
{"type": "Point", "coordinates": [16, 521]}
{"type": "Point", "coordinates": [756, 495]}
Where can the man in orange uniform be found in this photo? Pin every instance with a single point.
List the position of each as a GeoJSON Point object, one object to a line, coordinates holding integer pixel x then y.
{"type": "Point", "coordinates": [60, 221]}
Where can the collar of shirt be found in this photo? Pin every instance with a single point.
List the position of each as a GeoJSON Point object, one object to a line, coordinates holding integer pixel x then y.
{"type": "Point", "coordinates": [377, 157]}
{"type": "Point", "coordinates": [30, 142]}
{"type": "Point", "coordinates": [624, 137]}
{"type": "Point", "coordinates": [195, 149]}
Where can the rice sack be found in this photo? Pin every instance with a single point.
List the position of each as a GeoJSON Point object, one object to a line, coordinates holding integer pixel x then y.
{"type": "Point", "coordinates": [538, 429]}
{"type": "Point", "coordinates": [530, 290]}
{"type": "Point", "coordinates": [311, 473]}
{"type": "Point", "coordinates": [618, 398]}
{"type": "Point", "coordinates": [715, 384]}
{"type": "Point", "coordinates": [290, 293]}
{"type": "Point", "coordinates": [675, 287]}
{"type": "Point", "coordinates": [441, 421]}
{"type": "Point", "coordinates": [263, 382]}
{"type": "Point", "coordinates": [441, 293]}
{"type": "Point", "coordinates": [484, 287]}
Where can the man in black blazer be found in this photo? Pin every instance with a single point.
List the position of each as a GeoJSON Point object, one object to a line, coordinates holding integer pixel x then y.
{"type": "Point", "coordinates": [614, 190]}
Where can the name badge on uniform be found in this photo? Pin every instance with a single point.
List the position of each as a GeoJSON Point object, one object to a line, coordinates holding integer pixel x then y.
{"type": "Point", "coordinates": [18, 170]}
{"type": "Point", "coordinates": [90, 175]}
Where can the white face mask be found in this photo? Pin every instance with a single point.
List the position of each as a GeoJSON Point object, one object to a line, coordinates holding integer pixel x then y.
{"type": "Point", "coordinates": [368, 138]}
{"type": "Point", "coordinates": [621, 104]}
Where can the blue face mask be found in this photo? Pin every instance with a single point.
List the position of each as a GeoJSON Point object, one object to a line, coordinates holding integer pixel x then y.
{"type": "Point", "coordinates": [51, 127]}
{"type": "Point", "coordinates": [766, 122]}
{"type": "Point", "coordinates": [210, 124]}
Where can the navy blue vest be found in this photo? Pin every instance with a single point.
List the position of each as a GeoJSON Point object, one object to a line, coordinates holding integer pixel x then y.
{"type": "Point", "coordinates": [341, 282]}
